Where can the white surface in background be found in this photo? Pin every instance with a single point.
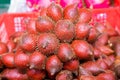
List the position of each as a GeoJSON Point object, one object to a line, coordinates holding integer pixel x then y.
{"type": "Point", "coordinates": [17, 6]}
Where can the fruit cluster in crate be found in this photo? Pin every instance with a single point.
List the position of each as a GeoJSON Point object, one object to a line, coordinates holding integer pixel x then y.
{"type": "Point", "coordinates": [62, 44]}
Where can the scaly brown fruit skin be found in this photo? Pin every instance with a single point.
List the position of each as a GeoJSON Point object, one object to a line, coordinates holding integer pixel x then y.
{"type": "Point", "coordinates": [55, 12]}
{"type": "Point", "coordinates": [28, 42]}
{"type": "Point", "coordinates": [8, 60]}
{"type": "Point", "coordinates": [37, 60]}
{"type": "Point", "coordinates": [83, 71]}
{"type": "Point", "coordinates": [108, 75]}
{"type": "Point", "coordinates": [21, 60]}
{"type": "Point", "coordinates": [86, 77]}
{"type": "Point", "coordinates": [47, 43]}
{"type": "Point", "coordinates": [117, 66]}
{"type": "Point", "coordinates": [13, 74]}
{"type": "Point", "coordinates": [3, 48]}
{"type": "Point", "coordinates": [72, 65]}
{"type": "Point", "coordinates": [44, 24]}
{"type": "Point", "coordinates": [82, 30]}
{"type": "Point", "coordinates": [53, 65]}
{"type": "Point", "coordinates": [92, 67]}
{"type": "Point", "coordinates": [82, 49]}
{"type": "Point", "coordinates": [71, 12]}
{"type": "Point", "coordinates": [64, 75]}
{"type": "Point", "coordinates": [11, 46]}
{"type": "Point", "coordinates": [105, 49]}
{"type": "Point", "coordinates": [85, 15]}
{"type": "Point", "coordinates": [65, 52]}
{"type": "Point", "coordinates": [64, 30]}
{"type": "Point", "coordinates": [35, 74]}
{"type": "Point", "coordinates": [93, 34]}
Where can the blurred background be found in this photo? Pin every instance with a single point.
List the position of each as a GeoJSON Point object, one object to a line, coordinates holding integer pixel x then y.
{"type": "Point", "coordinates": [4, 5]}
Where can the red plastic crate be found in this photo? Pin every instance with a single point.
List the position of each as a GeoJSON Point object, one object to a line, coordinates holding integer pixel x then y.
{"type": "Point", "coordinates": [10, 23]}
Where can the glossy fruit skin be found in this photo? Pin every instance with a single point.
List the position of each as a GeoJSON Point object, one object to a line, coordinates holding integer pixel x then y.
{"type": "Point", "coordinates": [53, 65]}
{"type": "Point", "coordinates": [64, 75]}
{"type": "Point", "coordinates": [85, 15]}
{"type": "Point", "coordinates": [109, 75]}
{"type": "Point", "coordinates": [71, 12]}
{"type": "Point", "coordinates": [86, 77]}
{"type": "Point", "coordinates": [82, 30]}
{"type": "Point", "coordinates": [65, 52]}
{"type": "Point", "coordinates": [93, 67]}
{"type": "Point", "coordinates": [72, 65]}
{"type": "Point", "coordinates": [35, 74]}
{"type": "Point", "coordinates": [11, 45]}
{"type": "Point", "coordinates": [28, 42]}
{"type": "Point", "coordinates": [64, 30]}
{"type": "Point", "coordinates": [13, 74]}
{"type": "Point", "coordinates": [44, 24]}
{"type": "Point", "coordinates": [55, 12]}
{"type": "Point", "coordinates": [37, 60]}
{"type": "Point", "coordinates": [81, 49]}
{"type": "Point", "coordinates": [3, 48]}
{"type": "Point", "coordinates": [8, 60]}
{"type": "Point", "coordinates": [21, 60]}
{"type": "Point", "coordinates": [47, 43]}
{"type": "Point", "coordinates": [102, 39]}
{"type": "Point", "coordinates": [93, 34]}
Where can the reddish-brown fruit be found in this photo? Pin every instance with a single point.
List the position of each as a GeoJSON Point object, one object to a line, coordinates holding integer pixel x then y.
{"type": "Point", "coordinates": [110, 30]}
{"type": "Point", "coordinates": [82, 30]}
{"type": "Point", "coordinates": [64, 30]}
{"type": "Point", "coordinates": [83, 71]}
{"type": "Point", "coordinates": [54, 11]}
{"type": "Point", "coordinates": [11, 45]}
{"type": "Point", "coordinates": [85, 15]}
{"type": "Point", "coordinates": [105, 49]}
{"type": "Point", "coordinates": [3, 48]}
{"type": "Point", "coordinates": [97, 53]}
{"type": "Point", "coordinates": [44, 24]}
{"type": "Point", "coordinates": [93, 67]}
{"type": "Point", "coordinates": [53, 65]}
{"type": "Point", "coordinates": [65, 52]}
{"type": "Point", "coordinates": [13, 74]}
{"type": "Point", "coordinates": [100, 27]}
{"type": "Point", "coordinates": [102, 39]}
{"type": "Point", "coordinates": [72, 65]}
{"type": "Point", "coordinates": [113, 41]}
{"type": "Point", "coordinates": [43, 11]}
{"type": "Point", "coordinates": [112, 58]}
{"type": "Point", "coordinates": [84, 77]}
{"type": "Point", "coordinates": [93, 34]}
{"type": "Point", "coordinates": [31, 26]}
{"type": "Point", "coordinates": [102, 64]}
{"type": "Point", "coordinates": [117, 66]}
{"type": "Point", "coordinates": [28, 42]}
{"type": "Point", "coordinates": [117, 48]}
{"type": "Point", "coordinates": [108, 61]}
{"type": "Point", "coordinates": [47, 43]}
{"type": "Point", "coordinates": [71, 12]}
{"type": "Point", "coordinates": [108, 75]}
{"type": "Point", "coordinates": [82, 49]}
{"type": "Point", "coordinates": [64, 75]}
{"type": "Point", "coordinates": [8, 60]}
{"type": "Point", "coordinates": [35, 74]}
{"type": "Point", "coordinates": [37, 60]}
{"type": "Point", "coordinates": [21, 60]}
{"type": "Point", "coordinates": [1, 64]}
{"type": "Point", "coordinates": [117, 71]}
